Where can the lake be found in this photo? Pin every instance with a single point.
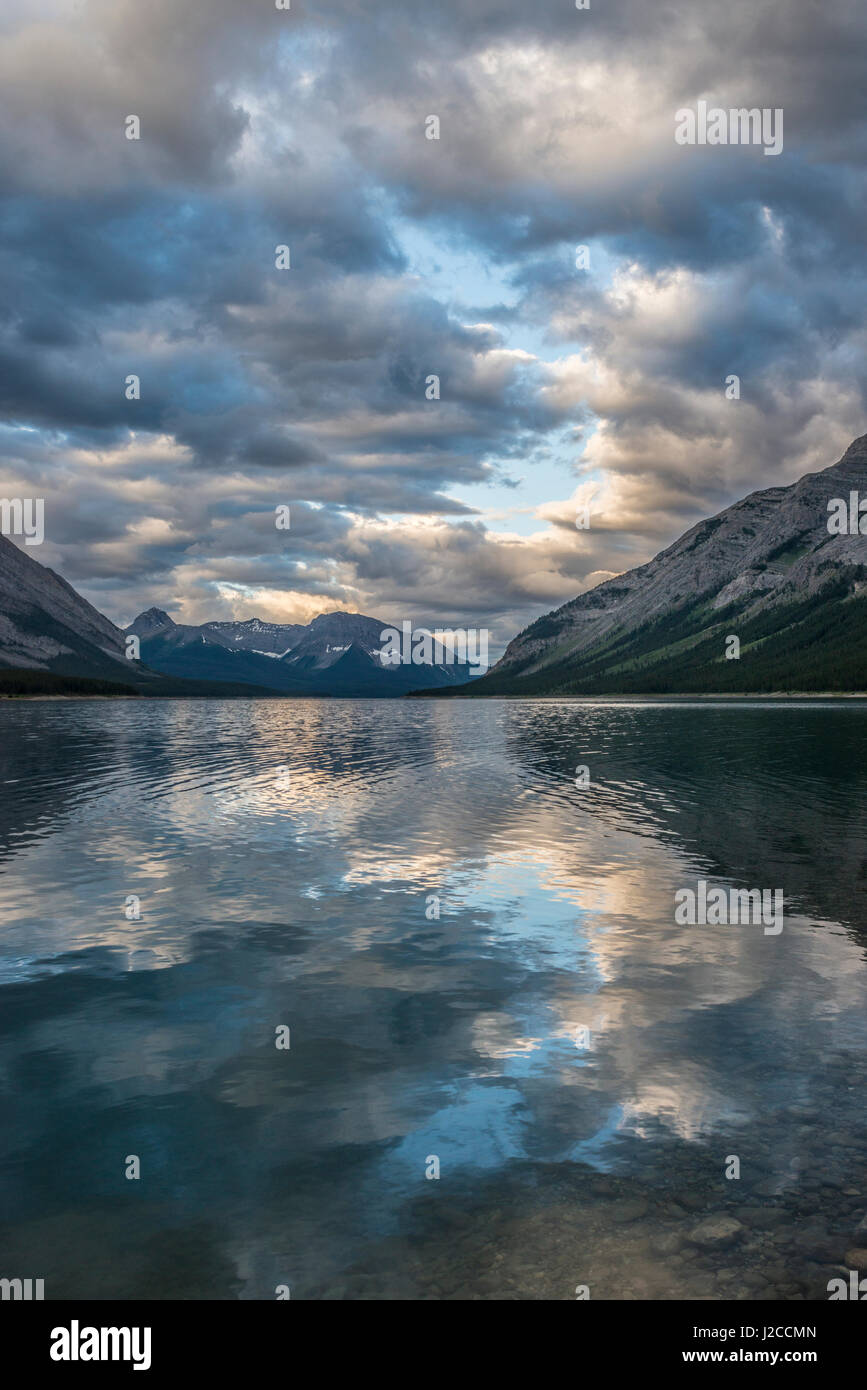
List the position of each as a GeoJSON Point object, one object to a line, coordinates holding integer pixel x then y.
{"type": "Point", "coordinates": [379, 1003]}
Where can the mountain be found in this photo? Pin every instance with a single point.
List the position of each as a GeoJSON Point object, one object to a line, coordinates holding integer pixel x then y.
{"type": "Point", "coordinates": [52, 641]}
{"type": "Point", "coordinates": [335, 654]}
{"type": "Point", "coordinates": [767, 570]}
{"type": "Point", "coordinates": [267, 639]}
{"type": "Point", "coordinates": [323, 642]}
{"type": "Point", "coordinates": [46, 626]}
{"type": "Point", "coordinates": [194, 653]}
{"type": "Point", "coordinates": [150, 623]}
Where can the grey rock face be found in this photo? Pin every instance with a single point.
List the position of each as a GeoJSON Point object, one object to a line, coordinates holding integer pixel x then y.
{"type": "Point", "coordinates": [45, 625]}
{"type": "Point", "coordinates": [769, 549]}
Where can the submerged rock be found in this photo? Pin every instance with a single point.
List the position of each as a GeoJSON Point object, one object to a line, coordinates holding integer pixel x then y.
{"type": "Point", "coordinates": [666, 1242]}
{"type": "Point", "coordinates": [716, 1232]}
{"type": "Point", "coordinates": [630, 1210]}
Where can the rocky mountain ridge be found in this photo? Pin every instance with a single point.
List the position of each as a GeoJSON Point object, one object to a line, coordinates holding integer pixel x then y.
{"type": "Point", "coordinates": [766, 569]}
{"type": "Point", "coordinates": [336, 653]}
{"type": "Point", "coordinates": [45, 626]}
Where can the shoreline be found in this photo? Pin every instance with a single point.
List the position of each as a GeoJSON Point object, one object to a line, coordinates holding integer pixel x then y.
{"type": "Point", "coordinates": [59, 696]}
{"type": "Point", "coordinates": [722, 695]}
{"type": "Point", "coordinates": [855, 695]}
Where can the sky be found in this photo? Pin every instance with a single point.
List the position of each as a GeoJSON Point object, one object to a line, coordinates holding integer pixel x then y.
{"type": "Point", "coordinates": [560, 386]}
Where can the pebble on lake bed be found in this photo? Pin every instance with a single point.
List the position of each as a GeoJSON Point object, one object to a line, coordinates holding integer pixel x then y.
{"type": "Point", "coordinates": [716, 1231]}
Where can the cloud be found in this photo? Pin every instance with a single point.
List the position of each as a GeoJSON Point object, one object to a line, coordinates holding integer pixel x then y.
{"type": "Point", "coordinates": [412, 259]}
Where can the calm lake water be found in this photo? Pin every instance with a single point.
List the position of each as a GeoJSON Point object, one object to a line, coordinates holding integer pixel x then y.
{"type": "Point", "coordinates": [286, 855]}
